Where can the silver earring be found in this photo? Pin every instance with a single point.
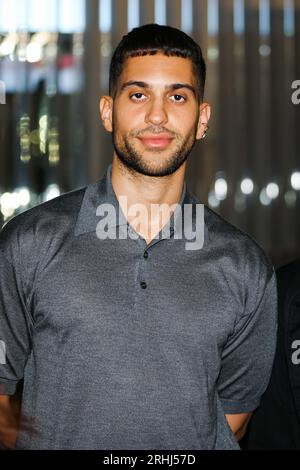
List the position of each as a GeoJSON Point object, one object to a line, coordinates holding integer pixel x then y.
{"type": "Point", "coordinates": [205, 132]}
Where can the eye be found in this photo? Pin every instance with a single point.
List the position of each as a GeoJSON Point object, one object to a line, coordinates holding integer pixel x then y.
{"type": "Point", "coordinates": [178, 98]}
{"type": "Point", "coordinates": [137, 96]}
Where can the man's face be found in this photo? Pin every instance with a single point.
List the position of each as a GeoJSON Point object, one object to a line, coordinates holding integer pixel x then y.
{"type": "Point", "coordinates": [155, 114]}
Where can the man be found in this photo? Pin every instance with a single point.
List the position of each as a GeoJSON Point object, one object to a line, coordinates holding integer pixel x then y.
{"type": "Point", "coordinates": [127, 335]}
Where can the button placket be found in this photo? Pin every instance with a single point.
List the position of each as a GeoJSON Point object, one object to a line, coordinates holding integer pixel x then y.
{"type": "Point", "coordinates": [143, 283]}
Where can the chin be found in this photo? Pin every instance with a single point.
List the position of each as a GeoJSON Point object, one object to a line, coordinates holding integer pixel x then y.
{"type": "Point", "coordinates": [153, 163]}
{"type": "Point", "coordinates": [157, 170]}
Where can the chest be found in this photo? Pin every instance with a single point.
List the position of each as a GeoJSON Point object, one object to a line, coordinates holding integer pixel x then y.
{"type": "Point", "coordinates": [113, 288]}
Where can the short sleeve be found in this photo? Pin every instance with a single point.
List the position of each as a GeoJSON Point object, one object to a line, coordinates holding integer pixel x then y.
{"type": "Point", "coordinates": [15, 326]}
{"type": "Point", "coordinates": [248, 356]}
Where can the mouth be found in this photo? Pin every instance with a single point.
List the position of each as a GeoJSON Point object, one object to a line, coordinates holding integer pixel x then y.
{"type": "Point", "coordinates": [156, 141]}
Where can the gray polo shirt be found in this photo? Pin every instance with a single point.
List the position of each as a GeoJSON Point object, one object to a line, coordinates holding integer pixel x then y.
{"type": "Point", "coordinates": [124, 345]}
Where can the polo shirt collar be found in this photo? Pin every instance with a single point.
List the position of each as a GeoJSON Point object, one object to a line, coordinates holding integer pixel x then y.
{"type": "Point", "coordinates": [102, 192]}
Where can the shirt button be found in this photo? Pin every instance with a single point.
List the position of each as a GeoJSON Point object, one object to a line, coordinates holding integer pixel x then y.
{"type": "Point", "coordinates": [143, 285]}
{"type": "Point", "coordinates": [146, 254]}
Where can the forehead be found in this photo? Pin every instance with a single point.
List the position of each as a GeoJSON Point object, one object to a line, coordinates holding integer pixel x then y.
{"type": "Point", "coordinates": [158, 68]}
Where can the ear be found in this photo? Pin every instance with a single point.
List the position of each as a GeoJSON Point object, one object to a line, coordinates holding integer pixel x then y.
{"type": "Point", "coordinates": [204, 116]}
{"type": "Point", "coordinates": [106, 112]}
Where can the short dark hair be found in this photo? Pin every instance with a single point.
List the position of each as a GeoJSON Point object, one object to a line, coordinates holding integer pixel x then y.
{"type": "Point", "coordinates": [151, 39]}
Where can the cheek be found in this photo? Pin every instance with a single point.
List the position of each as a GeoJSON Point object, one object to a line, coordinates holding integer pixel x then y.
{"type": "Point", "coordinates": [124, 108]}
{"type": "Point", "coordinates": [119, 127]}
{"type": "Point", "coordinates": [186, 120]}
{"type": "Point", "coordinates": [127, 120]}
{"type": "Point", "coordinates": [187, 129]}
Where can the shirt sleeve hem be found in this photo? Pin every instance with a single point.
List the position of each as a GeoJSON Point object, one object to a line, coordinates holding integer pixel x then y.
{"type": "Point", "coordinates": [8, 387]}
{"type": "Point", "coordinates": [235, 407]}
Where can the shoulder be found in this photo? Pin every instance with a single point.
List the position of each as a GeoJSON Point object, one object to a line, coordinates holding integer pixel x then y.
{"type": "Point", "coordinates": [234, 251]}
{"type": "Point", "coordinates": [241, 259]}
{"type": "Point", "coordinates": [43, 222]}
{"type": "Point", "coordinates": [236, 243]}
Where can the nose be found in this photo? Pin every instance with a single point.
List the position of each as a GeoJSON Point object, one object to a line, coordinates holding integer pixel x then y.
{"type": "Point", "coordinates": [156, 113]}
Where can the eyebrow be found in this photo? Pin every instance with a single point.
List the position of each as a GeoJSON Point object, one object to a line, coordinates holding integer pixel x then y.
{"type": "Point", "coordinates": [173, 86]}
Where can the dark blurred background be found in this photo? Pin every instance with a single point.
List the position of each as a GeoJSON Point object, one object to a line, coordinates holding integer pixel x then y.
{"type": "Point", "coordinates": [54, 61]}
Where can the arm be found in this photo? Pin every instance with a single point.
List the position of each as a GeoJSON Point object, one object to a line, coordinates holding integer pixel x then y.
{"type": "Point", "coordinates": [244, 377]}
{"type": "Point", "coordinates": [238, 424]}
{"type": "Point", "coordinates": [9, 421]}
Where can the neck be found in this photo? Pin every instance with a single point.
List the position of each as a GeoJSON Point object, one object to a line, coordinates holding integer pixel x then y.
{"type": "Point", "coordinates": [151, 193]}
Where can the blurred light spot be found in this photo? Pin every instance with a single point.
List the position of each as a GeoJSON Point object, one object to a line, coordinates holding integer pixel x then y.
{"type": "Point", "coordinates": [35, 137]}
{"type": "Point", "coordinates": [264, 198]}
{"type": "Point", "coordinates": [43, 131]}
{"type": "Point", "coordinates": [25, 157]}
{"type": "Point", "coordinates": [9, 44]}
{"type": "Point", "coordinates": [21, 53]}
{"type": "Point", "coordinates": [7, 212]}
{"type": "Point", "coordinates": [212, 200]}
{"type": "Point", "coordinates": [51, 192]}
{"type": "Point", "coordinates": [9, 202]}
{"type": "Point", "coordinates": [247, 186]}
{"type": "Point", "coordinates": [53, 146]}
{"type": "Point", "coordinates": [24, 197]}
{"type": "Point", "coordinates": [7, 47]}
{"type": "Point", "coordinates": [105, 49]}
{"type": "Point", "coordinates": [272, 190]}
{"type": "Point", "coordinates": [221, 189]}
{"type": "Point", "coordinates": [264, 50]}
{"type": "Point", "coordinates": [295, 180]}
{"type": "Point", "coordinates": [6, 200]}
{"type": "Point", "coordinates": [13, 201]}
{"type": "Point", "coordinates": [212, 53]}
{"type": "Point", "coordinates": [290, 198]}
{"type": "Point", "coordinates": [34, 52]}
{"type": "Point", "coordinates": [43, 122]}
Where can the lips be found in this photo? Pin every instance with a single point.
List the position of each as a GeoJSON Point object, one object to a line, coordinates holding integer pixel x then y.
{"type": "Point", "coordinates": [156, 141]}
